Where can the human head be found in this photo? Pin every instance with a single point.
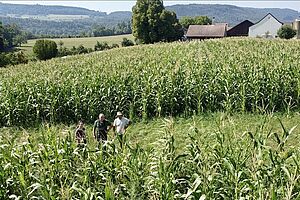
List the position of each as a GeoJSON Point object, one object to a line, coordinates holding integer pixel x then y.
{"type": "Point", "coordinates": [119, 115]}
{"type": "Point", "coordinates": [80, 124]}
{"type": "Point", "coordinates": [101, 117]}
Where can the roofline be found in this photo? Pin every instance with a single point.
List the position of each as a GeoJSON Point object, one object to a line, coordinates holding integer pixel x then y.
{"type": "Point", "coordinates": [213, 36]}
{"type": "Point", "coordinates": [266, 16]}
{"type": "Point", "coordinates": [241, 23]}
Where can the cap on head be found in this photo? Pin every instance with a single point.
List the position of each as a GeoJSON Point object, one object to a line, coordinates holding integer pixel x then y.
{"type": "Point", "coordinates": [119, 114]}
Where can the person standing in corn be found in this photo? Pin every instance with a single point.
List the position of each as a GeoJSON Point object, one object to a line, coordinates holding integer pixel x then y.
{"type": "Point", "coordinates": [80, 133]}
{"type": "Point", "coordinates": [120, 125]}
{"type": "Point", "coordinates": [101, 128]}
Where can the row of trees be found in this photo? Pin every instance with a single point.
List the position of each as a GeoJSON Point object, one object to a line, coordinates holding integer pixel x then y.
{"type": "Point", "coordinates": [47, 49]}
{"type": "Point", "coordinates": [75, 28]}
{"type": "Point", "coordinates": [119, 29]}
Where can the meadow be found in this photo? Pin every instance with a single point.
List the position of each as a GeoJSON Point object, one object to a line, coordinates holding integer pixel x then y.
{"type": "Point", "coordinates": [216, 119]}
{"type": "Point", "coordinates": [88, 42]}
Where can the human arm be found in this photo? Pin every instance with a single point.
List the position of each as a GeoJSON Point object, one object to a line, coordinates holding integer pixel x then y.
{"type": "Point", "coordinates": [128, 123]}
{"type": "Point", "coordinates": [94, 129]}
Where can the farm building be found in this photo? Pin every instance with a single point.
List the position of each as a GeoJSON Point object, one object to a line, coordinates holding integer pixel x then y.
{"type": "Point", "coordinates": [241, 29]}
{"type": "Point", "coordinates": [296, 26]}
{"type": "Point", "coordinates": [206, 31]}
{"type": "Point", "coordinates": [267, 27]}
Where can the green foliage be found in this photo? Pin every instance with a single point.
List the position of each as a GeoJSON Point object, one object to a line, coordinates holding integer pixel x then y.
{"type": "Point", "coordinates": [223, 157]}
{"type": "Point", "coordinates": [233, 75]}
{"type": "Point", "coordinates": [11, 35]}
{"type": "Point", "coordinates": [45, 49]}
{"type": "Point", "coordinates": [286, 32]}
{"type": "Point", "coordinates": [3, 59]}
{"type": "Point", "coordinates": [81, 49]}
{"type": "Point", "coordinates": [17, 58]}
{"type": "Point", "coordinates": [1, 37]}
{"type": "Point", "coordinates": [114, 45]}
{"type": "Point", "coordinates": [100, 46]}
{"type": "Point", "coordinates": [126, 42]}
{"type": "Point", "coordinates": [152, 23]}
{"type": "Point", "coordinates": [12, 58]}
{"type": "Point", "coordinates": [197, 20]}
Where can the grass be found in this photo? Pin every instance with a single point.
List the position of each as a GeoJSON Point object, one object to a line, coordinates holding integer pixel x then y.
{"type": "Point", "coordinates": [217, 156]}
{"type": "Point", "coordinates": [88, 42]}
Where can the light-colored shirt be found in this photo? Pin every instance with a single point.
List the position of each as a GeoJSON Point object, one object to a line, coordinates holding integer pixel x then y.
{"type": "Point", "coordinates": [120, 124]}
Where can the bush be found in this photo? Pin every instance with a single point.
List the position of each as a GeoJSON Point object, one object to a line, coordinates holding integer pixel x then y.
{"type": "Point", "coordinates": [286, 32]}
{"type": "Point", "coordinates": [45, 49]}
{"type": "Point", "coordinates": [3, 60]}
{"type": "Point", "coordinates": [81, 49]}
{"type": "Point", "coordinates": [114, 46]}
{"type": "Point", "coordinates": [126, 42]}
{"type": "Point", "coordinates": [63, 51]}
{"type": "Point", "coordinates": [12, 58]}
{"type": "Point", "coordinates": [17, 58]}
{"type": "Point", "coordinates": [100, 46]}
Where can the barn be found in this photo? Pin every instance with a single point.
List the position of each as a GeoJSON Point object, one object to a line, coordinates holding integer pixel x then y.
{"type": "Point", "coordinates": [267, 27]}
{"type": "Point", "coordinates": [206, 31]}
{"type": "Point", "coordinates": [242, 29]}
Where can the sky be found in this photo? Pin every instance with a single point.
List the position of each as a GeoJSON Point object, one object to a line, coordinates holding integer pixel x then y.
{"type": "Point", "coordinates": [113, 5]}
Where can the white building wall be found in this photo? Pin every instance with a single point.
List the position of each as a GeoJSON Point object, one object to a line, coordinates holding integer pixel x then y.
{"type": "Point", "coordinates": [296, 26]}
{"type": "Point", "coordinates": [268, 24]}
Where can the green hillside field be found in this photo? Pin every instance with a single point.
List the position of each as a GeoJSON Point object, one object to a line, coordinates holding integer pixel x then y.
{"type": "Point", "coordinates": [88, 42]}
{"type": "Point", "coordinates": [213, 119]}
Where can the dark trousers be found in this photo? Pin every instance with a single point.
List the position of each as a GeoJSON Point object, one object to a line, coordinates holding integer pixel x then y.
{"type": "Point", "coordinates": [102, 136]}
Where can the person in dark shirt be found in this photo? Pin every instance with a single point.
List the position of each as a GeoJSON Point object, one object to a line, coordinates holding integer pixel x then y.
{"type": "Point", "coordinates": [80, 133]}
{"type": "Point", "coordinates": [101, 127]}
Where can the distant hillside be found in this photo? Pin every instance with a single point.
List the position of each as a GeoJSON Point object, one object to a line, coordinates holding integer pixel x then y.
{"type": "Point", "coordinates": [65, 20]}
{"type": "Point", "coordinates": [60, 20]}
{"type": "Point", "coordinates": [233, 14]}
{"type": "Point", "coordinates": [20, 9]}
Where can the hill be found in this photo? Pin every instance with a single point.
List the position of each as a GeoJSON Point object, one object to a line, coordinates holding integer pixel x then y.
{"type": "Point", "coordinates": [59, 20]}
{"type": "Point", "coordinates": [18, 10]}
{"type": "Point", "coordinates": [65, 20]}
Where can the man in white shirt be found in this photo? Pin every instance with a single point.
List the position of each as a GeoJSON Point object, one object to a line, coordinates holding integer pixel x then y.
{"type": "Point", "coordinates": [120, 124]}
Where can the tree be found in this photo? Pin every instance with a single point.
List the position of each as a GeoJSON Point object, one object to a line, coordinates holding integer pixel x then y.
{"type": "Point", "coordinates": [152, 23]}
{"type": "Point", "coordinates": [20, 39]}
{"type": "Point", "coordinates": [198, 20]}
{"type": "Point", "coordinates": [45, 49]}
{"type": "Point", "coordinates": [10, 31]}
{"type": "Point", "coordinates": [171, 29]}
{"type": "Point", "coordinates": [1, 37]}
{"type": "Point", "coordinates": [286, 32]}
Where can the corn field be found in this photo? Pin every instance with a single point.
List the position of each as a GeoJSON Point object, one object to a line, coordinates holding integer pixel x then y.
{"type": "Point", "coordinates": [258, 163]}
{"type": "Point", "coordinates": [178, 79]}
